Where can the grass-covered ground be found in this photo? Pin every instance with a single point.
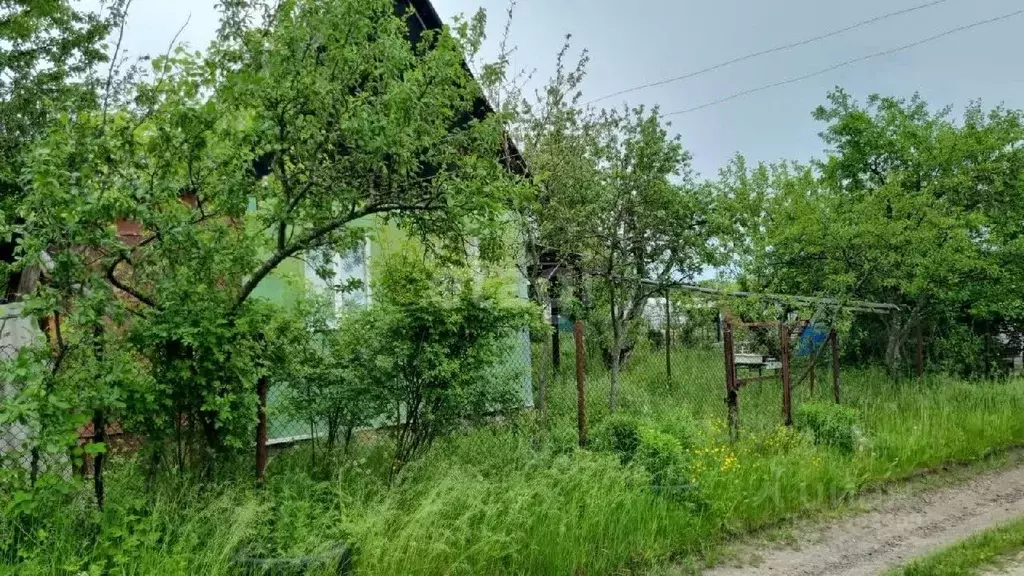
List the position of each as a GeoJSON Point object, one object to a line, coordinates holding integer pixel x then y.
{"type": "Point", "coordinates": [519, 498]}
{"type": "Point", "coordinates": [972, 556]}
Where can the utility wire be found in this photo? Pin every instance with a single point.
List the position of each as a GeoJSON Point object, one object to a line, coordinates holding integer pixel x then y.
{"type": "Point", "coordinates": [770, 51]}
{"type": "Point", "coordinates": [846, 63]}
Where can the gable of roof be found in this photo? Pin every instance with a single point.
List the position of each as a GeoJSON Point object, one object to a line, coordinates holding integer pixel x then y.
{"type": "Point", "coordinates": [422, 16]}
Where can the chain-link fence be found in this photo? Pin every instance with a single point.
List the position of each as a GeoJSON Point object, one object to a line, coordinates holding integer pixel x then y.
{"type": "Point", "coordinates": [744, 361]}
{"type": "Point", "coordinates": [705, 357]}
{"type": "Point", "coordinates": [15, 437]}
{"type": "Point", "coordinates": [708, 356]}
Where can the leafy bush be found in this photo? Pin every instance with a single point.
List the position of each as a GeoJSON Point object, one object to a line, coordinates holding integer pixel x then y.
{"type": "Point", "coordinates": [781, 440]}
{"type": "Point", "coordinates": [830, 424]}
{"type": "Point", "coordinates": [323, 388]}
{"type": "Point", "coordinates": [661, 455]}
{"type": "Point", "coordinates": [618, 433]}
{"type": "Point", "coordinates": [431, 345]}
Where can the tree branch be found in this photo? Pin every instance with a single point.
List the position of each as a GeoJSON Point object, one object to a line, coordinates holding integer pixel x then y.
{"type": "Point", "coordinates": [112, 278]}
{"type": "Point", "coordinates": [309, 239]}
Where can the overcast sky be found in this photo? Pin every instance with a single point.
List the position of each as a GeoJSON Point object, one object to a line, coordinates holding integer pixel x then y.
{"type": "Point", "coordinates": [647, 40]}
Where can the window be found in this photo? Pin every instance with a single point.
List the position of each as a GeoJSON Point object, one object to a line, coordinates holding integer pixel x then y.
{"type": "Point", "coordinates": [346, 275]}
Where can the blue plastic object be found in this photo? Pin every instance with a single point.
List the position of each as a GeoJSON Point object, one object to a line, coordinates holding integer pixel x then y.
{"type": "Point", "coordinates": [812, 338]}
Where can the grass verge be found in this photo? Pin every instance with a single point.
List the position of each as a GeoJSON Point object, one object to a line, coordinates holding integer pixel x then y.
{"type": "Point", "coordinates": [988, 549]}
{"type": "Point", "coordinates": [520, 498]}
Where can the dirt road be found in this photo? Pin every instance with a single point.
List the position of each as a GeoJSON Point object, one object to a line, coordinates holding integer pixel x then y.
{"type": "Point", "coordinates": [896, 530]}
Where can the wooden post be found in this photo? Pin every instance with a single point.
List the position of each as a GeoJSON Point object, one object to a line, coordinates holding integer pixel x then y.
{"type": "Point", "coordinates": [787, 407]}
{"type": "Point", "coordinates": [556, 341]}
{"type": "Point", "coordinates": [834, 338]}
{"type": "Point", "coordinates": [731, 393]}
{"type": "Point", "coordinates": [581, 400]}
{"type": "Point", "coordinates": [919, 353]}
{"type": "Point", "coordinates": [99, 436]}
{"type": "Point", "coordinates": [261, 429]}
{"type": "Point", "coordinates": [668, 338]}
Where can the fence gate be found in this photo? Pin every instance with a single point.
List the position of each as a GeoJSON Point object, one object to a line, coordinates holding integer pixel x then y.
{"type": "Point", "coordinates": [773, 361]}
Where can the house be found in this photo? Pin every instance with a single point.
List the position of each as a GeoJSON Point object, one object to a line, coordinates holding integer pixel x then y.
{"type": "Point", "coordinates": [354, 267]}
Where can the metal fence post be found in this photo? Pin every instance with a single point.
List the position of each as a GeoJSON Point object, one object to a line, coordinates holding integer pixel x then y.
{"type": "Point", "coordinates": [556, 347]}
{"type": "Point", "coordinates": [731, 393]}
{"type": "Point", "coordinates": [919, 353]}
{"type": "Point", "coordinates": [261, 429]}
{"type": "Point", "coordinates": [581, 400]}
{"type": "Point", "coordinates": [668, 337]}
{"type": "Point", "coordinates": [787, 407]}
{"type": "Point", "coordinates": [834, 337]}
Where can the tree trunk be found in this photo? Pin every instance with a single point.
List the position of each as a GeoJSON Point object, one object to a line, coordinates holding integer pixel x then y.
{"type": "Point", "coordinates": [894, 347]}
{"type": "Point", "coordinates": [581, 386]}
{"type": "Point", "coordinates": [261, 429]}
{"type": "Point", "coordinates": [613, 393]}
{"type": "Point", "coordinates": [668, 337]}
{"type": "Point", "coordinates": [556, 342]}
{"type": "Point", "coordinates": [28, 281]}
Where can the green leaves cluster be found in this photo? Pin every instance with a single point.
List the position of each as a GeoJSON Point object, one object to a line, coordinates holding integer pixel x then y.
{"type": "Point", "coordinates": [433, 349]}
{"type": "Point", "coordinates": [909, 206]}
{"type": "Point", "coordinates": [156, 203]}
{"type": "Point", "coordinates": [615, 211]}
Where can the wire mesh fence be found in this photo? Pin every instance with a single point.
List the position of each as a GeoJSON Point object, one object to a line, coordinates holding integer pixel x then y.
{"type": "Point", "coordinates": [697, 354]}
{"type": "Point", "coordinates": [747, 368]}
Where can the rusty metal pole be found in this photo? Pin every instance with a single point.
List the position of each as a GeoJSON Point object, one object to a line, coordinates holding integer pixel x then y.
{"type": "Point", "coordinates": [834, 337]}
{"type": "Point", "coordinates": [919, 353]}
{"type": "Point", "coordinates": [261, 429]}
{"type": "Point", "coordinates": [731, 393]}
{"type": "Point", "coordinates": [787, 407]}
{"type": "Point", "coordinates": [556, 341]}
{"type": "Point", "coordinates": [668, 338]}
{"type": "Point", "coordinates": [581, 388]}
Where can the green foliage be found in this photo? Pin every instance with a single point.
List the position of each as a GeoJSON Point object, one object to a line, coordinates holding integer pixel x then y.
{"type": "Point", "coordinates": [323, 116]}
{"type": "Point", "coordinates": [430, 346]}
{"type": "Point", "coordinates": [831, 424]}
{"type": "Point", "coordinates": [661, 455]}
{"type": "Point", "coordinates": [504, 499]}
{"type": "Point", "coordinates": [977, 554]}
{"type": "Point", "coordinates": [618, 433]}
{"type": "Point", "coordinates": [318, 377]}
{"type": "Point", "coordinates": [909, 206]}
{"type": "Point", "coordinates": [613, 195]}
{"type": "Point", "coordinates": [49, 52]}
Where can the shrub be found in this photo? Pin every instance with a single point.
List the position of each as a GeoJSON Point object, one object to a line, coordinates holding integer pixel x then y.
{"type": "Point", "coordinates": [429, 345]}
{"type": "Point", "coordinates": [661, 455]}
{"type": "Point", "coordinates": [620, 434]}
{"type": "Point", "coordinates": [830, 424]}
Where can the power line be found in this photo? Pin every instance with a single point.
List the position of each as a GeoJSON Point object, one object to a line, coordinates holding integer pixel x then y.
{"type": "Point", "coordinates": [846, 63]}
{"type": "Point", "coordinates": [770, 51]}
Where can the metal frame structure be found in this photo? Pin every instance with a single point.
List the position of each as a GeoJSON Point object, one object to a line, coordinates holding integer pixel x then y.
{"type": "Point", "coordinates": [733, 383]}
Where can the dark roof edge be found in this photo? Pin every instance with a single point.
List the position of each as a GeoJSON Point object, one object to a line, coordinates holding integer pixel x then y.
{"type": "Point", "coordinates": [428, 15]}
{"type": "Point", "coordinates": [426, 12]}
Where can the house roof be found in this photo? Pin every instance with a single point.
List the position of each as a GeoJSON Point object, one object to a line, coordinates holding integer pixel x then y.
{"type": "Point", "coordinates": [422, 17]}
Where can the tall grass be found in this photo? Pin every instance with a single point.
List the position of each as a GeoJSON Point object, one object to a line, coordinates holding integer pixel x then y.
{"type": "Point", "coordinates": [519, 498]}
